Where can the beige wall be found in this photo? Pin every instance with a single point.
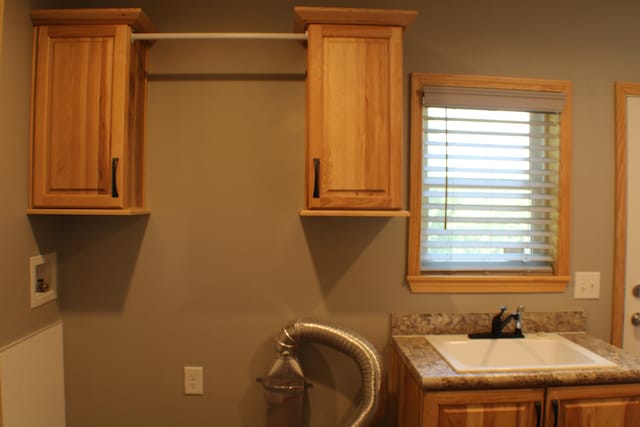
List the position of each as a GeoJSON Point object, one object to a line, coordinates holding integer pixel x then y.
{"type": "Point", "coordinates": [20, 237]}
{"type": "Point", "coordinates": [224, 261]}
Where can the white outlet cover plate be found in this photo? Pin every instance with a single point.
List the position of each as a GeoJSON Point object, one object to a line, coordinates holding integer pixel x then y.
{"type": "Point", "coordinates": [193, 380]}
{"type": "Point", "coordinates": [49, 264]}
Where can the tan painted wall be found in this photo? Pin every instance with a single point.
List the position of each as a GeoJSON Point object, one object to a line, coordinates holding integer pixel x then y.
{"type": "Point", "coordinates": [20, 236]}
{"type": "Point", "coordinates": [224, 261]}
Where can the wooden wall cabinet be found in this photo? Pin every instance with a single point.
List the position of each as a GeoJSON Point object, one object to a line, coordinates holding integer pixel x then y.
{"type": "Point", "coordinates": [354, 149]}
{"type": "Point", "coordinates": [87, 145]}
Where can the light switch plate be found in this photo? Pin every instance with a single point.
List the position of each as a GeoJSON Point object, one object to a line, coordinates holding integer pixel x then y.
{"type": "Point", "coordinates": [587, 285]}
{"type": "Point", "coordinates": [43, 281]}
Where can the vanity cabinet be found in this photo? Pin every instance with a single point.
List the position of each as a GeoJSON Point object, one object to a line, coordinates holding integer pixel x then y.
{"type": "Point", "coordinates": [88, 112]}
{"type": "Point", "coordinates": [611, 405]}
{"type": "Point", "coordinates": [354, 109]}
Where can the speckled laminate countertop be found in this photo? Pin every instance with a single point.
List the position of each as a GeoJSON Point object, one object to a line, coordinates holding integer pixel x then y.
{"type": "Point", "coordinates": [433, 372]}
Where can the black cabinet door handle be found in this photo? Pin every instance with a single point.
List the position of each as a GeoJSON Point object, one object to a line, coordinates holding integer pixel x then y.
{"type": "Point", "coordinates": [114, 183]}
{"type": "Point", "coordinates": [538, 406]}
{"type": "Point", "coordinates": [554, 405]}
{"type": "Point", "coordinates": [316, 178]}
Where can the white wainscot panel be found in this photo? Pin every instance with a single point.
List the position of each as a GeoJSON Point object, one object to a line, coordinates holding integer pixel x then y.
{"type": "Point", "coordinates": [32, 380]}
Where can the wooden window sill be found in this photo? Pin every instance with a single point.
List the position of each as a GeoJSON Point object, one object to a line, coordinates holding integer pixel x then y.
{"type": "Point", "coordinates": [487, 284]}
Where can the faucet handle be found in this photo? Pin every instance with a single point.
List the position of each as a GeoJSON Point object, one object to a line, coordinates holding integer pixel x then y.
{"type": "Point", "coordinates": [520, 309]}
{"type": "Point", "coordinates": [503, 308]}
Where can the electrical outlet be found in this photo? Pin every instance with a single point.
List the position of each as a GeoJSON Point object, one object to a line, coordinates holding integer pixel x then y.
{"type": "Point", "coordinates": [193, 376]}
{"type": "Point", "coordinates": [587, 285]}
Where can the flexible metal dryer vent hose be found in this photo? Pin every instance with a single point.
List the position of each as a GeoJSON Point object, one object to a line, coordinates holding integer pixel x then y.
{"type": "Point", "coordinates": [350, 343]}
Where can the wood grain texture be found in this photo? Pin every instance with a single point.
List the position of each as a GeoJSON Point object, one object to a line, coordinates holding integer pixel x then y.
{"type": "Point", "coordinates": [622, 91]}
{"type": "Point", "coordinates": [119, 212]}
{"type": "Point", "coordinates": [610, 405]}
{"type": "Point", "coordinates": [78, 118]}
{"type": "Point", "coordinates": [344, 212]}
{"type": "Point", "coordinates": [405, 394]}
{"type": "Point", "coordinates": [88, 110]}
{"type": "Point", "coordinates": [487, 284]}
{"type": "Point", "coordinates": [594, 406]}
{"type": "Point", "coordinates": [411, 406]}
{"type": "Point", "coordinates": [486, 408]}
{"type": "Point", "coordinates": [305, 15]}
{"type": "Point", "coordinates": [354, 90]}
{"type": "Point", "coordinates": [133, 17]}
{"type": "Point", "coordinates": [418, 282]}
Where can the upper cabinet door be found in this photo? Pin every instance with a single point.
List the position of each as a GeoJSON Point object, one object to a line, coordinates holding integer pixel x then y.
{"type": "Point", "coordinates": [88, 111]}
{"type": "Point", "coordinates": [355, 116]}
{"type": "Point", "coordinates": [354, 109]}
{"type": "Point", "coordinates": [79, 123]}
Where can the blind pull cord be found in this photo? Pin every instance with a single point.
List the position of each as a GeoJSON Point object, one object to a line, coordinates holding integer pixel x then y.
{"type": "Point", "coordinates": [446, 166]}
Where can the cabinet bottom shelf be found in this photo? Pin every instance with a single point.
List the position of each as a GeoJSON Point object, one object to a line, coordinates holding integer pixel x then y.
{"type": "Point", "coordinates": [378, 213]}
{"type": "Point", "coordinates": [106, 212]}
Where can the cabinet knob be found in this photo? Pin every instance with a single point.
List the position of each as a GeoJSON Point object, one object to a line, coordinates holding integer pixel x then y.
{"type": "Point", "coordinates": [636, 291]}
{"type": "Point", "coordinates": [635, 319]}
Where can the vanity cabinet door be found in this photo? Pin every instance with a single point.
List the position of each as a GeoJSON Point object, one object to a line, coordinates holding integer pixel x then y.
{"type": "Point", "coordinates": [487, 408]}
{"type": "Point", "coordinates": [593, 406]}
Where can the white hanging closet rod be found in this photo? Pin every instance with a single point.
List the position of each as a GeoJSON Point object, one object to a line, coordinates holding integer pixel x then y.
{"type": "Point", "coordinates": [210, 36]}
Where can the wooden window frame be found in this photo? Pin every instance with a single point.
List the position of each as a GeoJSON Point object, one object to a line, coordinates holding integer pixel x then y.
{"type": "Point", "coordinates": [487, 283]}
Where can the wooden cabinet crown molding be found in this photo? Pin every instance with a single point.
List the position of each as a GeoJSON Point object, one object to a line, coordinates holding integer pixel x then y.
{"type": "Point", "coordinates": [133, 17]}
{"type": "Point", "coordinates": [305, 15]}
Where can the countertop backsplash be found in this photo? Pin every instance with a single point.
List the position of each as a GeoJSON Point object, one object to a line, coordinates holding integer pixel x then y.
{"type": "Point", "coordinates": [464, 323]}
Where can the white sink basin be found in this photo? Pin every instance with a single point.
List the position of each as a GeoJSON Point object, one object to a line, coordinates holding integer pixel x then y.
{"type": "Point", "coordinates": [535, 352]}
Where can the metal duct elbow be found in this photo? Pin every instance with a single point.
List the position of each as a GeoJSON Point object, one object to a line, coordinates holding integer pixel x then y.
{"type": "Point", "coordinates": [365, 355]}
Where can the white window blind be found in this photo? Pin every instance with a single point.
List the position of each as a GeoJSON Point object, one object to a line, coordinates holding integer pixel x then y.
{"type": "Point", "coordinates": [490, 180]}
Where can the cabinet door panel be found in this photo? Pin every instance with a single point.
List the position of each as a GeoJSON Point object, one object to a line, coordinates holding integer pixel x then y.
{"type": "Point", "coordinates": [489, 408]}
{"type": "Point", "coordinates": [78, 120]}
{"type": "Point", "coordinates": [355, 110]}
{"type": "Point", "coordinates": [617, 412]}
{"type": "Point", "coordinates": [516, 415]}
{"type": "Point", "coordinates": [594, 406]}
{"type": "Point", "coordinates": [79, 113]}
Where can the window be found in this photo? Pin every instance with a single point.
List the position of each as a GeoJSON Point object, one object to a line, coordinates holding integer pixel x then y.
{"type": "Point", "coordinates": [489, 184]}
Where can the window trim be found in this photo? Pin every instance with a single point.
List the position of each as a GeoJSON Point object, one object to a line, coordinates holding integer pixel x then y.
{"type": "Point", "coordinates": [452, 283]}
